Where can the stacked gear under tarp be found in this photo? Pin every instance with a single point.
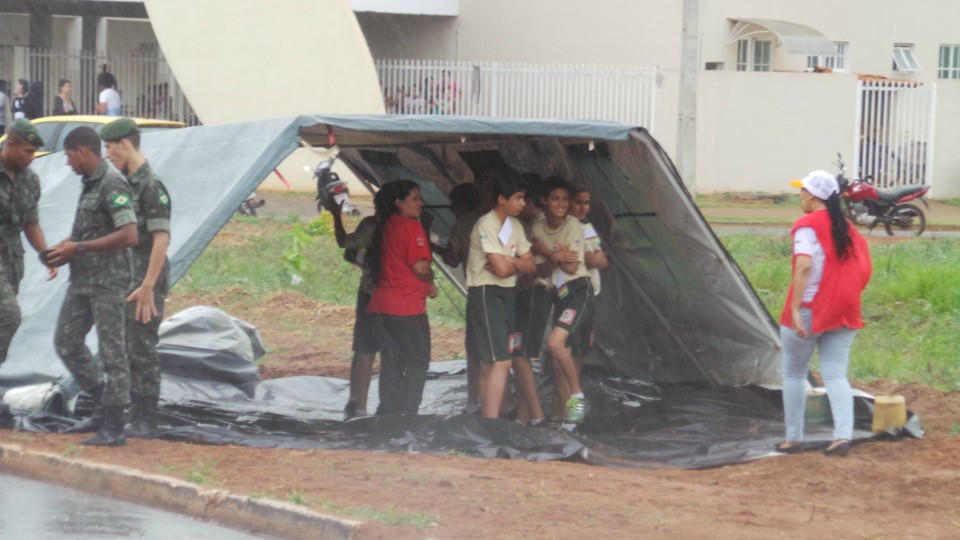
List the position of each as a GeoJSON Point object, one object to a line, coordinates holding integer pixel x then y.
{"type": "Point", "coordinates": [675, 313]}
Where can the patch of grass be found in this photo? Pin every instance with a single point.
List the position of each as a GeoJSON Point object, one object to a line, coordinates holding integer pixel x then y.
{"type": "Point", "coordinates": [748, 200]}
{"type": "Point", "coordinates": [296, 497]}
{"type": "Point", "coordinates": [204, 472]}
{"type": "Point", "coordinates": [165, 468]}
{"type": "Point", "coordinates": [955, 201]}
{"type": "Point", "coordinates": [73, 450]}
{"type": "Point", "coordinates": [387, 517]}
{"type": "Point", "coordinates": [955, 429]}
{"type": "Point", "coordinates": [911, 306]}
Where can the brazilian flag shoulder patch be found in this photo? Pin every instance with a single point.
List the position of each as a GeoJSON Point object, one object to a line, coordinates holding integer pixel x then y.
{"type": "Point", "coordinates": [164, 199]}
{"type": "Point", "coordinates": [121, 199]}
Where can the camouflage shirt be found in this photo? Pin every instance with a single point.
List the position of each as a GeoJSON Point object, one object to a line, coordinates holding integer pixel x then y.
{"type": "Point", "coordinates": [152, 204]}
{"type": "Point", "coordinates": [18, 207]}
{"type": "Point", "coordinates": [105, 206]}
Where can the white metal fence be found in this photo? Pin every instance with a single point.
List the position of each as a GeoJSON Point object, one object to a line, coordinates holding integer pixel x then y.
{"type": "Point", "coordinates": [144, 79]}
{"type": "Point", "coordinates": [894, 132]}
{"type": "Point", "coordinates": [498, 89]}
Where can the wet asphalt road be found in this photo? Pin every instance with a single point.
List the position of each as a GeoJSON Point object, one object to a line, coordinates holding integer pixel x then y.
{"type": "Point", "coordinates": [35, 511]}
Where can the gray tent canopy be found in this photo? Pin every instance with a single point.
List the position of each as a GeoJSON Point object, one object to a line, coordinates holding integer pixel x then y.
{"type": "Point", "coordinates": [675, 306]}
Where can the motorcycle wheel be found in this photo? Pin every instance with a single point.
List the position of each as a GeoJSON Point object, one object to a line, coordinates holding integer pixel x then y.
{"type": "Point", "coordinates": [905, 220]}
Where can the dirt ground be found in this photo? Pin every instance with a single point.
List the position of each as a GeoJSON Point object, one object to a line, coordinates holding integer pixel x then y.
{"type": "Point", "coordinates": [903, 489]}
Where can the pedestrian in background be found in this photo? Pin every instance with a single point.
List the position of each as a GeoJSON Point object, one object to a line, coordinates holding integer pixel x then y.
{"type": "Point", "coordinates": [108, 100]}
{"type": "Point", "coordinates": [100, 280]}
{"type": "Point", "coordinates": [19, 94]}
{"type": "Point", "coordinates": [33, 106]}
{"type": "Point", "coordinates": [4, 99]}
{"type": "Point", "coordinates": [63, 102]}
{"type": "Point", "coordinates": [19, 198]}
{"type": "Point", "coordinates": [151, 272]}
{"type": "Point", "coordinates": [831, 267]}
{"type": "Point", "coordinates": [400, 265]}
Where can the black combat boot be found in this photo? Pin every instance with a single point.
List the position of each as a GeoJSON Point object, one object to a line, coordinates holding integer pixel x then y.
{"type": "Point", "coordinates": [111, 434]}
{"type": "Point", "coordinates": [96, 418]}
{"type": "Point", "coordinates": [143, 416]}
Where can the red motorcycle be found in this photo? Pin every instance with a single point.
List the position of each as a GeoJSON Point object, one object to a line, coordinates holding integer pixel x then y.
{"type": "Point", "coordinates": [867, 206]}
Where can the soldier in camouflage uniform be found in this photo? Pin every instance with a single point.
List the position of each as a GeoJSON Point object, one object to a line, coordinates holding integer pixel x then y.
{"type": "Point", "coordinates": [19, 195]}
{"type": "Point", "coordinates": [151, 271]}
{"type": "Point", "coordinates": [101, 269]}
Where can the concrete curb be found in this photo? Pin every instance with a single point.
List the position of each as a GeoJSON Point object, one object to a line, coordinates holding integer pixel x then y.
{"type": "Point", "coordinates": [255, 515]}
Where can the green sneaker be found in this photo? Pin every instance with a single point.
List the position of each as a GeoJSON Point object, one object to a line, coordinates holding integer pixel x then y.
{"type": "Point", "coordinates": [576, 410]}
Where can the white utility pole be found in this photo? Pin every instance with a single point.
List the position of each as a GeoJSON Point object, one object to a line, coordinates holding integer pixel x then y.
{"type": "Point", "coordinates": [687, 113]}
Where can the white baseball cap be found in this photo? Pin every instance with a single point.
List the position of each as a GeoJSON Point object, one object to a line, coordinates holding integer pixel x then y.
{"type": "Point", "coordinates": [820, 184]}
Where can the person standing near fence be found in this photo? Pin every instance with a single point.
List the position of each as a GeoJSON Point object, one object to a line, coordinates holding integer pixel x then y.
{"type": "Point", "coordinates": [101, 270]}
{"type": "Point", "coordinates": [400, 262]}
{"type": "Point", "coordinates": [63, 103]}
{"type": "Point", "coordinates": [19, 94]}
{"type": "Point", "coordinates": [19, 197]}
{"type": "Point", "coordinates": [4, 98]}
{"type": "Point", "coordinates": [151, 272]}
{"type": "Point", "coordinates": [33, 106]}
{"type": "Point", "coordinates": [108, 101]}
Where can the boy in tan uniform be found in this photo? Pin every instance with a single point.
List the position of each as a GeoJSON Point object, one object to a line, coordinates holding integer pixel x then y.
{"type": "Point", "coordinates": [499, 250]}
{"type": "Point", "coordinates": [563, 236]}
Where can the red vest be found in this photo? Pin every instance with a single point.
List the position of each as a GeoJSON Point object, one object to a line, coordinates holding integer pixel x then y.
{"type": "Point", "coordinates": [837, 302]}
{"type": "Point", "coordinates": [399, 291]}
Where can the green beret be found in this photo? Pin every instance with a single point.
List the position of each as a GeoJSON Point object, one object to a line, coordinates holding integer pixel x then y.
{"type": "Point", "coordinates": [118, 129]}
{"type": "Point", "coordinates": [28, 131]}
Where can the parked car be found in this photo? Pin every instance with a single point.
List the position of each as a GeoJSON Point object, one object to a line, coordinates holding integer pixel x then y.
{"type": "Point", "coordinates": [54, 129]}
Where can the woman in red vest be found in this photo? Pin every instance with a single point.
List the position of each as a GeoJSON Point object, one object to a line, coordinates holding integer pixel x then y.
{"type": "Point", "coordinates": [399, 259]}
{"type": "Point", "coordinates": [831, 267]}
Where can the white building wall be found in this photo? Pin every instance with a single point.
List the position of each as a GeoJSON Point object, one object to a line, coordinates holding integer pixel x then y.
{"type": "Point", "coordinates": [758, 131]}
{"type": "Point", "coordinates": [14, 30]}
{"type": "Point", "coordinates": [946, 172]}
{"type": "Point", "coordinates": [409, 36]}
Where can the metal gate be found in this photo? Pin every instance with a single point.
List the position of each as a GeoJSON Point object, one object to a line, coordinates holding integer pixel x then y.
{"type": "Point", "coordinates": [893, 139]}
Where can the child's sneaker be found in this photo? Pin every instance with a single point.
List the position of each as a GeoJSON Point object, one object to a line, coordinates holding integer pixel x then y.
{"type": "Point", "coordinates": [576, 410]}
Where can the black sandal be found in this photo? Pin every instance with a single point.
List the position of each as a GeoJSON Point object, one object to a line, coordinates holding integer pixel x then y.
{"type": "Point", "coordinates": [788, 448]}
{"type": "Point", "coordinates": [840, 450]}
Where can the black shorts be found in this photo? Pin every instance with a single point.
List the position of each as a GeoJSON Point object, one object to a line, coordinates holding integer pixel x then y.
{"type": "Point", "coordinates": [574, 308]}
{"type": "Point", "coordinates": [364, 333]}
{"type": "Point", "coordinates": [490, 317]}
{"type": "Point", "coordinates": [533, 311]}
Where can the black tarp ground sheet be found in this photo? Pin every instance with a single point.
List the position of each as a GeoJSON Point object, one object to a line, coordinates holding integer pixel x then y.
{"type": "Point", "coordinates": [686, 358]}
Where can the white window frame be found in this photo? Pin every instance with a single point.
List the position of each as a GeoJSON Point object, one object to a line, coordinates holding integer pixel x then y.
{"type": "Point", "coordinates": [903, 58]}
{"type": "Point", "coordinates": [949, 63]}
{"type": "Point", "coordinates": [833, 62]}
{"type": "Point", "coordinates": [747, 51]}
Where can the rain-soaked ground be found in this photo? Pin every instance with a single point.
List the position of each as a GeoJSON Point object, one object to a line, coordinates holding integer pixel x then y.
{"type": "Point", "coordinates": [37, 511]}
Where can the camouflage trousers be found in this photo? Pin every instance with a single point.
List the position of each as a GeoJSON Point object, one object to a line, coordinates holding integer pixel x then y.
{"type": "Point", "coordinates": [77, 316]}
{"type": "Point", "coordinates": [142, 351]}
{"type": "Point", "coordinates": [9, 312]}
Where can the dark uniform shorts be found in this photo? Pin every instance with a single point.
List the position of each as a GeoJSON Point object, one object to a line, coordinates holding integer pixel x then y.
{"type": "Point", "coordinates": [364, 333]}
{"type": "Point", "coordinates": [533, 311]}
{"type": "Point", "coordinates": [574, 308]}
{"type": "Point", "coordinates": [491, 311]}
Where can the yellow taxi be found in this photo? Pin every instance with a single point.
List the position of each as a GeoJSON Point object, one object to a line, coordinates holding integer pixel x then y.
{"type": "Point", "coordinates": [54, 129]}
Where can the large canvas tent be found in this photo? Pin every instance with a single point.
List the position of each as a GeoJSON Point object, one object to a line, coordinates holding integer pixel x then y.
{"type": "Point", "coordinates": [675, 309]}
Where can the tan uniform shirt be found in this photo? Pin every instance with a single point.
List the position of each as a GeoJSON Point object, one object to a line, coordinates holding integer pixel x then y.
{"type": "Point", "coordinates": [570, 234]}
{"type": "Point", "coordinates": [490, 236]}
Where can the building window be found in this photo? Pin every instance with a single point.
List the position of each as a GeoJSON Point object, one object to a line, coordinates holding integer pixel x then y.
{"type": "Point", "coordinates": [949, 66]}
{"type": "Point", "coordinates": [754, 54]}
{"type": "Point", "coordinates": [833, 62]}
{"type": "Point", "coordinates": [903, 59]}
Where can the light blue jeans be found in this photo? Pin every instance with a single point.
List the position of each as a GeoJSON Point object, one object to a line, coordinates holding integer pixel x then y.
{"type": "Point", "coordinates": [834, 347]}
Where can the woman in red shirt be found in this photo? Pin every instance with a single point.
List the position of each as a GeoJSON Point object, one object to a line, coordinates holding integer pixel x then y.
{"type": "Point", "coordinates": [831, 267]}
{"type": "Point", "coordinates": [399, 261]}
